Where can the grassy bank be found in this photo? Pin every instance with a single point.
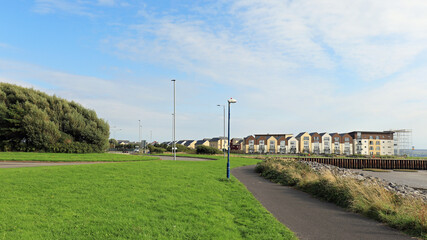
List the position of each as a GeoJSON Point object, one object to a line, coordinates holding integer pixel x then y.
{"type": "Point", "coordinates": [71, 157]}
{"type": "Point", "coordinates": [132, 200]}
{"type": "Point", "coordinates": [369, 199]}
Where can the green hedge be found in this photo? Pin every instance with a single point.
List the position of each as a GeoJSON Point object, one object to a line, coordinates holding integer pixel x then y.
{"type": "Point", "coordinates": [207, 150]}
{"type": "Point", "coordinates": [31, 120]}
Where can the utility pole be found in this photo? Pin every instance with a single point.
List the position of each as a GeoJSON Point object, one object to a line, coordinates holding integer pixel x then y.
{"type": "Point", "coordinates": [174, 119]}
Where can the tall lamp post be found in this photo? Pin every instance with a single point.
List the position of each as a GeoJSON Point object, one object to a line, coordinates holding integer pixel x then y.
{"type": "Point", "coordinates": [139, 134]}
{"type": "Point", "coordinates": [174, 118]}
{"type": "Point", "coordinates": [223, 147]}
{"type": "Point", "coordinates": [231, 100]}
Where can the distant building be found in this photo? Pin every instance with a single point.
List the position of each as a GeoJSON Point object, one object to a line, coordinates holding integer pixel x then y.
{"type": "Point", "coordinates": [373, 143]}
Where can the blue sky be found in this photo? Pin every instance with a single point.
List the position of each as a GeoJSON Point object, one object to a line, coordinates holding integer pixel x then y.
{"type": "Point", "coordinates": [293, 66]}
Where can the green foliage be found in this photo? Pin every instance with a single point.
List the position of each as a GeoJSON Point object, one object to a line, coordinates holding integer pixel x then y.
{"type": "Point", "coordinates": [201, 149]}
{"type": "Point", "coordinates": [154, 149]}
{"type": "Point", "coordinates": [34, 121]}
{"type": "Point", "coordinates": [180, 148]}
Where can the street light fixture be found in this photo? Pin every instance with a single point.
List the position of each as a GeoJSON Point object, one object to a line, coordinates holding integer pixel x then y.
{"type": "Point", "coordinates": [231, 100]}
{"type": "Point", "coordinates": [223, 147]}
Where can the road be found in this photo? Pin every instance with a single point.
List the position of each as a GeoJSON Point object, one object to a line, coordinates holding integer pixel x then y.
{"type": "Point", "coordinates": [311, 218]}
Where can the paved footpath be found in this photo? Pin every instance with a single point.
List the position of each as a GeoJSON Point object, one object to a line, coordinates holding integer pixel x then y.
{"type": "Point", "coordinates": [183, 158]}
{"type": "Point", "coordinates": [310, 218]}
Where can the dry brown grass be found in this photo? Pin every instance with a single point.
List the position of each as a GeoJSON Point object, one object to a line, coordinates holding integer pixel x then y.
{"type": "Point", "coordinates": [367, 197]}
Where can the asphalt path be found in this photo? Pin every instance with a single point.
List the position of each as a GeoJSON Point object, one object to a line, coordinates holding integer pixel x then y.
{"type": "Point", "coordinates": [16, 164]}
{"type": "Point", "coordinates": [310, 218]}
{"type": "Point", "coordinates": [183, 158]}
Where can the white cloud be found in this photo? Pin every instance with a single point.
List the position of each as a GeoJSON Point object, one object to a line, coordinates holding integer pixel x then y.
{"type": "Point", "coordinates": [53, 6]}
{"type": "Point", "coordinates": [279, 57]}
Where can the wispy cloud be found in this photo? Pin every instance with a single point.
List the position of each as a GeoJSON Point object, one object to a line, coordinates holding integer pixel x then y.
{"type": "Point", "coordinates": [288, 56]}
{"type": "Point", "coordinates": [79, 7]}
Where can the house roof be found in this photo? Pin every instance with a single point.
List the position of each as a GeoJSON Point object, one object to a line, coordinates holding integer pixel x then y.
{"type": "Point", "coordinates": [200, 142]}
{"type": "Point", "coordinates": [300, 134]}
{"type": "Point", "coordinates": [188, 142]}
{"type": "Point", "coordinates": [374, 132]}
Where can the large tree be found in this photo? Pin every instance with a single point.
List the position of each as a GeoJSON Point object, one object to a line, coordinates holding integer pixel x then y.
{"type": "Point", "coordinates": [31, 120]}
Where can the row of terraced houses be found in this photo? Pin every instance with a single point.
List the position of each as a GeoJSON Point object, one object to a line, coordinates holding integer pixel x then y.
{"type": "Point", "coordinates": [356, 142]}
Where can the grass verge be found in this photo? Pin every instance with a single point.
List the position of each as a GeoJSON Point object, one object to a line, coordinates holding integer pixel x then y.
{"type": "Point", "coordinates": [133, 200]}
{"type": "Point", "coordinates": [367, 198]}
{"type": "Point", "coordinates": [375, 170]}
{"type": "Point", "coordinates": [405, 170]}
{"type": "Point", "coordinates": [71, 157]}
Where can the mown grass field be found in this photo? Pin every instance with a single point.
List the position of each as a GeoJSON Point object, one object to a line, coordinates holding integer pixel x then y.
{"type": "Point", "coordinates": [132, 200]}
{"type": "Point", "coordinates": [71, 157]}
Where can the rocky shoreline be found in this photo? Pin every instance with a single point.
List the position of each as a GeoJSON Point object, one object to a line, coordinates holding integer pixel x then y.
{"type": "Point", "coordinates": [402, 190]}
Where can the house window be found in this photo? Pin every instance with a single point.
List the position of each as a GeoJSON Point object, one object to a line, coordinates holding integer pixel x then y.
{"type": "Point", "coordinates": [377, 137]}
{"type": "Point", "coordinates": [327, 138]}
{"type": "Point", "coordinates": [371, 142]}
{"type": "Point", "coordinates": [337, 139]}
{"type": "Point", "coordinates": [370, 137]}
{"type": "Point", "coordinates": [316, 138]}
{"type": "Point", "coordinates": [261, 142]}
{"type": "Point", "coordinates": [347, 139]}
{"type": "Point", "coordinates": [282, 143]}
{"type": "Point", "coordinates": [306, 138]}
{"type": "Point", "coordinates": [377, 143]}
{"type": "Point", "coordinates": [377, 148]}
{"type": "Point", "coordinates": [371, 148]}
{"type": "Point", "coordinates": [359, 135]}
{"type": "Point", "coordinates": [251, 142]}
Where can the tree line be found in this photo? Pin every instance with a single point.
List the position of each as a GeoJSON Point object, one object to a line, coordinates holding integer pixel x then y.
{"type": "Point", "coordinates": [31, 120]}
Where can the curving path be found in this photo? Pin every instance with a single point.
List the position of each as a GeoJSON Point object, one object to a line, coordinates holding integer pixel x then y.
{"type": "Point", "coordinates": [311, 218]}
{"type": "Point", "coordinates": [183, 158]}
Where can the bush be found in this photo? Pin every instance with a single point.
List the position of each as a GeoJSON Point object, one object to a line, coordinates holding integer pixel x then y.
{"type": "Point", "coordinates": [31, 120]}
{"type": "Point", "coordinates": [154, 149]}
{"type": "Point", "coordinates": [180, 148]}
{"type": "Point", "coordinates": [207, 150]}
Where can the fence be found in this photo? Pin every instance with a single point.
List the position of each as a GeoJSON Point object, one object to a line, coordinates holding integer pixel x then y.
{"type": "Point", "coordinates": [358, 163]}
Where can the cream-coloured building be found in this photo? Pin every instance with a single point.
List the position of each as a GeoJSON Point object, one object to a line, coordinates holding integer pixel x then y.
{"type": "Point", "coordinates": [218, 142]}
{"type": "Point", "coordinates": [293, 145]}
{"type": "Point", "coordinates": [373, 143]}
{"type": "Point", "coordinates": [304, 140]}
{"type": "Point", "coordinates": [326, 143]}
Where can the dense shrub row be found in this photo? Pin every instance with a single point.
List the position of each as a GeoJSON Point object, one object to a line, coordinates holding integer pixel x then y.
{"type": "Point", "coordinates": [201, 149]}
{"type": "Point", "coordinates": [34, 121]}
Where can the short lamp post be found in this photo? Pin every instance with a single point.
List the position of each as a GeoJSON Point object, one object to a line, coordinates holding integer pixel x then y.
{"type": "Point", "coordinates": [231, 100]}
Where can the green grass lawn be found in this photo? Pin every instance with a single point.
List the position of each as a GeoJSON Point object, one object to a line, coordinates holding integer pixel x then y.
{"type": "Point", "coordinates": [132, 200]}
{"type": "Point", "coordinates": [71, 157]}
